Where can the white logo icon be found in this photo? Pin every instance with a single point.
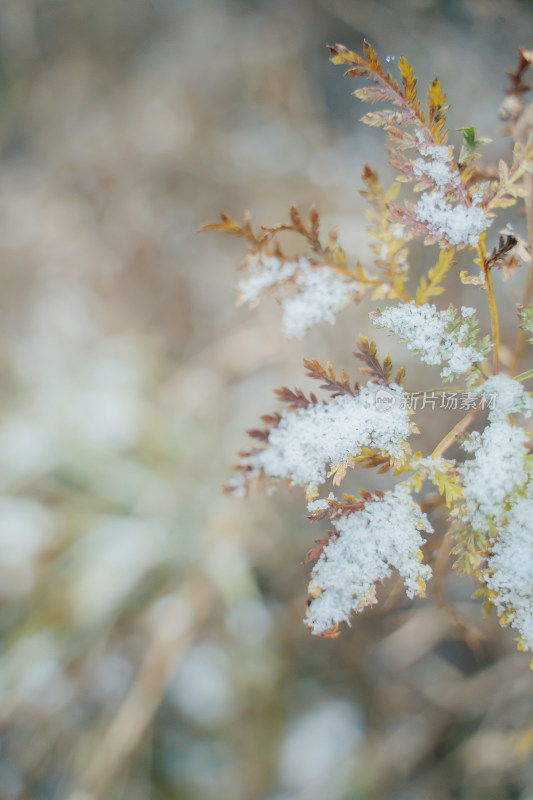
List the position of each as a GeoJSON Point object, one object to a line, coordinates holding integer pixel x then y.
{"type": "Point", "coordinates": [384, 400]}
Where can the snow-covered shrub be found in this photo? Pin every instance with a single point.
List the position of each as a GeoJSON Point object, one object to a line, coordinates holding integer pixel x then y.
{"type": "Point", "coordinates": [488, 496]}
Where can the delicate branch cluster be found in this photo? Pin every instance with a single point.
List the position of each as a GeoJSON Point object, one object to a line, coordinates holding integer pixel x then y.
{"type": "Point", "coordinates": [379, 535]}
{"type": "Point", "coordinates": [318, 284]}
{"type": "Point", "coordinates": [438, 336]}
{"type": "Point", "coordinates": [319, 291]}
{"type": "Point", "coordinates": [509, 570]}
{"type": "Point", "coordinates": [489, 495]}
{"type": "Point", "coordinates": [493, 505]}
{"type": "Point", "coordinates": [316, 439]}
{"type": "Point", "coordinates": [450, 224]}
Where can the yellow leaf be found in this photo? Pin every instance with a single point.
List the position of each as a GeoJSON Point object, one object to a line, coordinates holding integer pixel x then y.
{"type": "Point", "coordinates": [311, 493]}
{"type": "Point", "coordinates": [430, 286]}
{"type": "Point", "coordinates": [471, 280]}
{"type": "Point", "coordinates": [437, 111]}
{"type": "Point", "coordinates": [409, 83]}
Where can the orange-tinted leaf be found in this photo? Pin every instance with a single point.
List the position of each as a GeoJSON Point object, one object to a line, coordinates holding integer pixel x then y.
{"type": "Point", "coordinates": [332, 633]}
{"type": "Point", "coordinates": [296, 398]}
{"type": "Point", "coordinates": [366, 352]}
{"type": "Point", "coordinates": [409, 83]}
{"type": "Point", "coordinates": [331, 383]}
{"type": "Point", "coordinates": [228, 225]}
{"type": "Point", "coordinates": [437, 111]}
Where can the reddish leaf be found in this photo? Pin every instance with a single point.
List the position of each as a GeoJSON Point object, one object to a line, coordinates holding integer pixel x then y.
{"type": "Point", "coordinates": [296, 398]}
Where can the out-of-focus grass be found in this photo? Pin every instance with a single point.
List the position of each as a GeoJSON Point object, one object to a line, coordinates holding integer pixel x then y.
{"type": "Point", "coordinates": [152, 643]}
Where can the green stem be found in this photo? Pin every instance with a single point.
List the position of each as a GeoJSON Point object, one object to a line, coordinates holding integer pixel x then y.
{"type": "Point", "coordinates": [524, 375]}
{"type": "Point", "coordinates": [493, 311]}
{"type": "Point", "coordinates": [456, 431]}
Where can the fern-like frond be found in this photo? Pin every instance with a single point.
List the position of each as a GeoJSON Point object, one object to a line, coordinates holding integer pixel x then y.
{"type": "Point", "coordinates": [386, 88]}
{"type": "Point", "coordinates": [390, 237]}
{"type": "Point", "coordinates": [334, 509]}
{"type": "Point", "coordinates": [409, 85]}
{"type": "Point", "coordinates": [330, 382]}
{"type": "Point", "coordinates": [431, 285]}
{"type": "Point", "coordinates": [379, 372]}
{"type": "Point", "coordinates": [319, 282]}
{"type": "Point", "coordinates": [437, 111]}
{"type": "Point", "coordinates": [295, 398]}
{"type": "Point", "coordinates": [244, 231]}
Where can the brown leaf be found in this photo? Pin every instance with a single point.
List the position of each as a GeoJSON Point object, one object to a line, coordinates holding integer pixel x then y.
{"type": "Point", "coordinates": [366, 352]}
{"type": "Point", "coordinates": [272, 420]}
{"type": "Point", "coordinates": [505, 245]}
{"type": "Point", "coordinates": [330, 382]}
{"type": "Point", "coordinates": [262, 435]}
{"type": "Point", "coordinates": [317, 551]}
{"type": "Point", "coordinates": [227, 225]}
{"type": "Point", "coordinates": [517, 85]}
{"type": "Point", "coordinates": [314, 222]}
{"type": "Point", "coordinates": [296, 398]}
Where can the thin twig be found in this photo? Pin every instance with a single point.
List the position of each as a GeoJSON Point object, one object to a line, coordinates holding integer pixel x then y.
{"type": "Point", "coordinates": [169, 644]}
{"type": "Point", "coordinates": [456, 431]}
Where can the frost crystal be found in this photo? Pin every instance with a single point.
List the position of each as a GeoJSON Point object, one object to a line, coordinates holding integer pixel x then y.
{"type": "Point", "coordinates": [456, 224]}
{"type": "Point", "coordinates": [437, 167]}
{"type": "Point", "coordinates": [321, 291]}
{"type": "Point", "coordinates": [436, 335]}
{"type": "Point", "coordinates": [510, 397]}
{"type": "Point", "coordinates": [370, 543]}
{"type": "Point", "coordinates": [496, 470]}
{"type": "Point", "coordinates": [321, 504]}
{"type": "Point", "coordinates": [264, 272]}
{"type": "Point", "coordinates": [306, 441]}
{"type": "Point", "coordinates": [510, 569]}
{"type": "Point", "coordinates": [494, 482]}
{"type": "Point", "coordinates": [321, 294]}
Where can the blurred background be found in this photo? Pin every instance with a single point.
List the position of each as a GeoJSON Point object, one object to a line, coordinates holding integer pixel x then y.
{"type": "Point", "coordinates": [151, 632]}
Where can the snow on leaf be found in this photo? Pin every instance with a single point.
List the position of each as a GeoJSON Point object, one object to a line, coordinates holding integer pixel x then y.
{"type": "Point", "coordinates": [451, 224]}
{"type": "Point", "coordinates": [370, 543]}
{"type": "Point", "coordinates": [436, 336]}
{"type": "Point", "coordinates": [311, 441]}
{"type": "Point", "coordinates": [509, 570]}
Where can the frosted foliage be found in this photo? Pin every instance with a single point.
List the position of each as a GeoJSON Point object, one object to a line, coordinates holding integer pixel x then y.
{"type": "Point", "coordinates": [499, 469]}
{"type": "Point", "coordinates": [309, 439]}
{"type": "Point", "coordinates": [320, 291]}
{"type": "Point", "coordinates": [263, 272]}
{"type": "Point", "coordinates": [434, 335]}
{"type": "Point", "coordinates": [437, 166]}
{"type": "Point", "coordinates": [496, 470]}
{"type": "Point", "coordinates": [510, 569]}
{"type": "Point", "coordinates": [321, 504]}
{"type": "Point", "coordinates": [456, 224]}
{"type": "Point", "coordinates": [385, 535]}
{"type": "Point", "coordinates": [509, 396]}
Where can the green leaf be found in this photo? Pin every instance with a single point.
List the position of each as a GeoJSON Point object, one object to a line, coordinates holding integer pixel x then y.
{"type": "Point", "coordinates": [471, 144]}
